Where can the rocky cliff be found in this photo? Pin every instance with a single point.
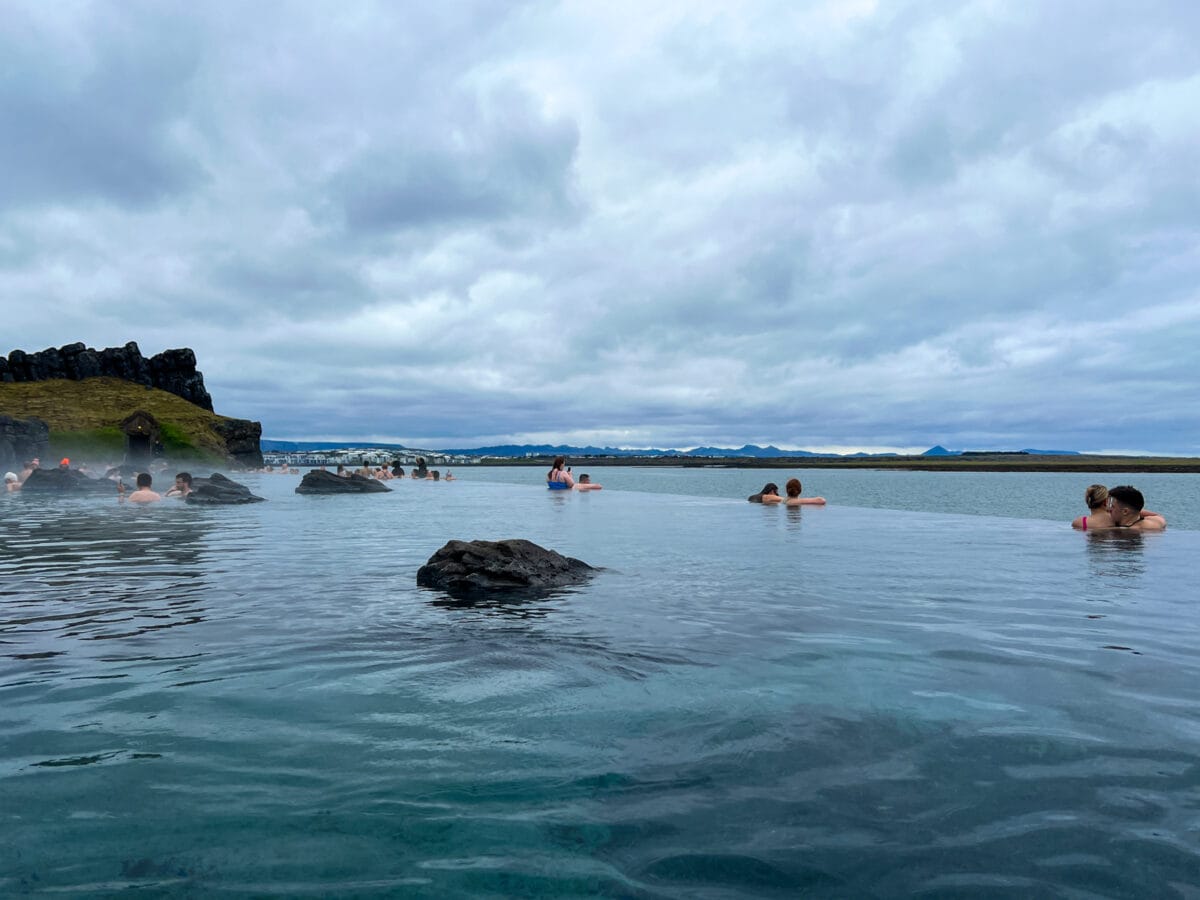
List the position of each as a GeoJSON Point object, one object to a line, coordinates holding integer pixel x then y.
{"type": "Point", "coordinates": [20, 440]}
{"type": "Point", "coordinates": [173, 371]}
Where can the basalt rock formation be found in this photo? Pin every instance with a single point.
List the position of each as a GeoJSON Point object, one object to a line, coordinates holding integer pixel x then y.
{"type": "Point", "coordinates": [217, 489]}
{"type": "Point", "coordinates": [173, 371]}
{"type": "Point", "coordinates": [21, 440]}
{"type": "Point", "coordinates": [471, 569]}
{"type": "Point", "coordinates": [242, 440]}
{"type": "Point", "coordinates": [65, 481]}
{"type": "Point", "coordinates": [318, 481]}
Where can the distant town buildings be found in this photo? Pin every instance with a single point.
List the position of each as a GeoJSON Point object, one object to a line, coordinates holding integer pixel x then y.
{"type": "Point", "coordinates": [375, 456]}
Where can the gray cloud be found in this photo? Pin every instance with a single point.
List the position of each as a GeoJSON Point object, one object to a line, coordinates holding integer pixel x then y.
{"type": "Point", "coordinates": [820, 224]}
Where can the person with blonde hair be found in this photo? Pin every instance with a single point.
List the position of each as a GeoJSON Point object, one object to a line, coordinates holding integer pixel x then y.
{"type": "Point", "coordinates": [793, 488]}
{"type": "Point", "coordinates": [1096, 498]}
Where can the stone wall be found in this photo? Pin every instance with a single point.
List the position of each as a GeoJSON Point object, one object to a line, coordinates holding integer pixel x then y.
{"type": "Point", "coordinates": [172, 370]}
{"type": "Point", "coordinates": [21, 440]}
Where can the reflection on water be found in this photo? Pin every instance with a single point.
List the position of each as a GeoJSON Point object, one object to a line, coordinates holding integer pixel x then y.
{"type": "Point", "coordinates": [74, 571]}
{"type": "Point", "coordinates": [747, 702]}
{"type": "Point", "coordinates": [1116, 553]}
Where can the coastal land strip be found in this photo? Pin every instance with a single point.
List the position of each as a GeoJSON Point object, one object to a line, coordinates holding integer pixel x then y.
{"type": "Point", "coordinates": [967, 462]}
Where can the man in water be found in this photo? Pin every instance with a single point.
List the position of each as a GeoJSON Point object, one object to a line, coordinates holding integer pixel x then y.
{"type": "Point", "coordinates": [143, 494]}
{"type": "Point", "coordinates": [1127, 510]}
{"type": "Point", "coordinates": [182, 486]}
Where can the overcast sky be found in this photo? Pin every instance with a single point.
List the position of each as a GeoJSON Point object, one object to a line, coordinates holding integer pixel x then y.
{"type": "Point", "coordinates": [823, 225]}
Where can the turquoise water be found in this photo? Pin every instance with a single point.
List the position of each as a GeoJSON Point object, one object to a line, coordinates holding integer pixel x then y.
{"type": "Point", "coordinates": [1054, 496]}
{"type": "Point", "coordinates": [747, 701]}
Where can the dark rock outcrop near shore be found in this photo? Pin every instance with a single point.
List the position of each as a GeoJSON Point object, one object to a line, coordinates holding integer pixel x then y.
{"type": "Point", "coordinates": [241, 438]}
{"type": "Point", "coordinates": [21, 440]}
{"type": "Point", "coordinates": [66, 481]}
{"type": "Point", "coordinates": [216, 489]}
{"type": "Point", "coordinates": [516, 567]}
{"type": "Point", "coordinates": [319, 481]}
{"type": "Point", "coordinates": [173, 371]}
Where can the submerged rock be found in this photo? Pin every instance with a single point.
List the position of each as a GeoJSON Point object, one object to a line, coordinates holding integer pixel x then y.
{"type": "Point", "coordinates": [217, 489]}
{"type": "Point", "coordinates": [471, 568]}
{"type": "Point", "coordinates": [319, 481]}
{"type": "Point", "coordinates": [65, 481]}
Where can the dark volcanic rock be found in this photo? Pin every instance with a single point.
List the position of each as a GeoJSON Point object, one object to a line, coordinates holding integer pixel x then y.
{"type": "Point", "coordinates": [22, 439]}
{"type": "Point", "coordinates": [171, 370]}
{"type": "Point", "coordinates": [474, 568]}
{"type": "Point", "coordinates": [217, 489]}
{"type": "Point", "coordinates": [318, 481]}
{"type": "Point", "coordinates": [175, 371]}
{"type": "Point", "coordinates": [241, 438]}
{"type": "Point", "coordinates": [65, 481]}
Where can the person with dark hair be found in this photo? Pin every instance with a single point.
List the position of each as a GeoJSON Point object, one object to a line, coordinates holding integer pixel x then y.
{"type": "Point", "coordinates": [585, 484]}
{"type": "Point", "coordinates": [144, 494]}
{"type": "Point", "coordinates": [793, 488]}
{"type": "Point", "coordinates": [769, 494]}
{"type": "Point", "coordinates": [182, 486]}
{"type": "Point", "coordinates": [1126, 507]}
{"type": "Point", "coordinates": [559, 478]}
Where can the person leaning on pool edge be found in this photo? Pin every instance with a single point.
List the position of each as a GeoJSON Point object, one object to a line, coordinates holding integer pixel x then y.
{"type": "Point", "coordinates": [793, 488]}
{"type": "Point", "coordinates": [1127, 510]}
{"type": "Point", "coordinates": [769, 494]}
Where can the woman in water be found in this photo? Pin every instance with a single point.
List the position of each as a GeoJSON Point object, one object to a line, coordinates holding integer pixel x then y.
{"type": "Point", "coordinates": [1096, 498]}
{"type": "Point", "coordinates": [769, 494]}
{"type": "Point", "coordinates": [558, 478]}
{"type": "Point", "coordinates": [793, 488]}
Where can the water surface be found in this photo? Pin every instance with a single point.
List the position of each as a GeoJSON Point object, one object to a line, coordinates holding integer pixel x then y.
{"type": "Point", "coordinates": [746, 701]}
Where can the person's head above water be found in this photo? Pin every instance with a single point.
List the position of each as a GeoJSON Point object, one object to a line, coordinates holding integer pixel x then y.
{"type": "Point", "coordinates": [1128, 497]}
{"type": "Point", "coordinates": [144, 480]}
{"type": "Point", "coordinates": [1096, 497]}
{"type": "Point", "coordinates": [793, 487]}
{"type": "Point", "coordinates": [559, 462]}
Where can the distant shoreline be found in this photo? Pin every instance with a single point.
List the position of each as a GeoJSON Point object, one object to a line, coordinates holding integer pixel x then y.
{"type": "Point", "coordinates": [973, 463]}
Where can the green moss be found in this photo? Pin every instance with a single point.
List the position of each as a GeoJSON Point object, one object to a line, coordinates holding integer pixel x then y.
{"type": "Point", "coordinates": [83, 417]}
{"type": "Point", "coordinates": [92, 443]}
{"type": "Point", "coordinates": [174, 440]}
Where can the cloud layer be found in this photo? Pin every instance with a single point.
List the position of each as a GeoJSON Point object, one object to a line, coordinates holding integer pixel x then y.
{"type": "Point", "coordinates": [810, 224]}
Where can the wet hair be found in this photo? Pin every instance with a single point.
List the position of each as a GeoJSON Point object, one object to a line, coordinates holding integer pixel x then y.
{"type": "Point", "coordinates": [558, 462]}
{"type": "Point", "coordinates": [1095, 496]}
{"type": "Point", "coordinates": [436, 475]}
{"type": "Point", "coordinates": [185, 477]}
{"type": "Point", "coordinates": [585, 479]}
{"type": "Point", "coordinates": [144, 480]}
{"type": "Point", "coordinates": [1129, 496]}
{"type": "Point", "coordinates": [792, 487]}
{"type": "Point", "coordinates": [769, 488]}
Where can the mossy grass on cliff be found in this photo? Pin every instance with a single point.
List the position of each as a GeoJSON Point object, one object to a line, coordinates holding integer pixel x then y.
{"type": "Point", "coordinates": [83, 417]}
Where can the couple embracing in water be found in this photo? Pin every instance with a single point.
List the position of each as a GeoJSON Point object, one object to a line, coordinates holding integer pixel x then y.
{"type": "Point", "coordinates": [1119, 507]}
{"type": "Point", "coordinates": [770, 494]}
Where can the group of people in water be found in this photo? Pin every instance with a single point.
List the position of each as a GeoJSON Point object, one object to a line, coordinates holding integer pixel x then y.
{"type": "Point", "coordinates": [770, 494]}
{"type": "Point", "coordinates": [559, 478]}
{"type": "Point", "coordinates": [381, 473]}
{"type": "Point", "coordinates": [1119, 507]}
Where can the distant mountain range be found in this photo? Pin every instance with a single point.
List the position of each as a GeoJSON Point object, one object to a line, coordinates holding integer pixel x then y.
{"type": "Point", "coordinates": [749, 451]}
